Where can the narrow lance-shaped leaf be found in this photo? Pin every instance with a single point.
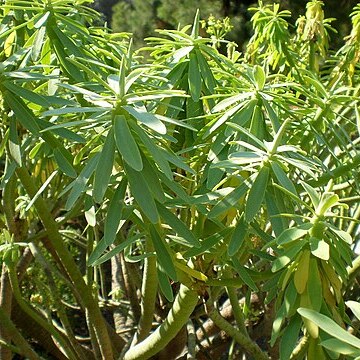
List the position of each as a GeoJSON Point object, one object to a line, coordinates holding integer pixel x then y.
{"type": "Point", "coordinates": [290, 338]}
{"type": "Point", "coordinates": [114, 213]}
{"type": "Point", "coordinates": [163, 254]}
{"type": "Point", "coordinates": [24, 115]}
{"type": "Point", "coordinates": [259, 76]}
{"type": "Point", "coordinates": [96, 258]}
{"type": "Point", "coordinates": [104, 168]}
{"type": "Point", "coordinates": [153, 149]}
{"type": "Point", "coordinates": [142, 194]}
{"type": "Point", "coordinates": [194, 77]}
{"type": "Point", "coordinates": [146, 118]}
{"type": "Point", "coordinates": [293, 234]}
{"type": "Point", "coordinates": [238, 237]}
{"type": "Point", "coordinates": [178, 226]}
{"type": "Point", "coordinates": [329, 326]}
{"type": "Point", "coordinates": [165, 285]}
{"type": "Point", "coordinates": [244, 274]}
{"type": "Point", "coordinates": [126, 144]}
{"type": "Point", "coordinates": [230, 200]}
{"type": "Point", "coordinates": [64, 165]}
{"type": "Point", "coordinates": [14, 143]}
{"type": "Point", "coordinates": [256, 194]}
{"type": "Point", "coordinates": [80, 183]}
{"type": "Point", "coordinates": [283, 178]}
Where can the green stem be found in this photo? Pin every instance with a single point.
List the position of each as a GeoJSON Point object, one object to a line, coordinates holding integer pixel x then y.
{"type": "Point", "coordinates": [5, 305]}
{"type": "Point", "coordinates": [56, 298]}
{"type": "Point", "coordinates": [178, 316]}
{"type": "Point", "coordinates": [249, 346]}
{"type": "Point", "coordinates": [9, 193]}
{"type": "Point", "coordinates": [37, 317]}
{"type": "Point", "coordinates": [148, 294]}
{"type": "Point", "coordinates": [91, 235]}
{"type": "Point", "coordinates": [18, 339]}
{"type": "Point", "coordinates": [238, 314]}
{"type": "Point", "coordinates": [73, 271]}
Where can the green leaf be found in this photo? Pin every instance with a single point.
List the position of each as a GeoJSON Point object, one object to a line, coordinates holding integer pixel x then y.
{"type": "Point", "coordinates": [154, 150]}
{"type": "Point", "coordinates": [238, 237]}
{"type": "Point", "coordinates": [205, 71]}
{"type": "Point", "coordinates": [67, 42]}
{"type": "Point", "coordinates": [24, 115]}
{"type": "Point", "coordinates": [340, 347]}
{"type": "Point", "coordinates": [27, 94]}
{"type": "Point", "coordinates": [319, 248]}
{"type": "Point", "coordinates": [41, 190]}
{"type": "Point", "coordinates": [259, 76]}
{"type": "Point", "coordinates": [151, 175]}
{"type": "Point", "coordinates": [314, 196]}
{"type": "Point", "coordinates": [290, 337]}
{"type": "Point", "coordinates": [14, 143]}
{"type": "Point", "coordinates": [208, 243]}
{"type": "Point", "coordinates": [230, 200]}
{"type": "Point", "coordinates": [196, 25]}
{"type": "Point", "coordinates": [142, 194]}
{"type": "Point", "coordinates": [126, 144]}
{"type": "Point", "coordinates": [89, 211]}
{"type": "Point", "coordinates": [80, 183]}
{"type": "Point", "coordinates": [244, 274]}
{"type": "Point", "coordinates": [327, 201]}
{"type": "Point", "coordinates": [163, 254]}
{"type": "Point", "coordinates": [329, 326]}
{"type": "Point", "coordinates": [354, 307]}
{"type": "Point", "coordinates": [314, 286]}
{"type": "Point", "coordinates": [294, 233]}
{"type": "Point", "coordinates": [64, 165]}
{"type": "Point", "coordinates": [104, 168]}
{"type": "Point", "coordinates": [194, 77]}
{"type": "Point", "coordinates": [74, 110]}
{"type": "Point", "coordinates": [283, 178]}
{"type": "Point", "coordinates": [178, 226]}
{"type": "Point", "coordinates": [114, 214]}
{"type": "Point", "coordinates": [165, 285]}
{"type": "Point", "coordinates": [96, 259]}
{"type": "Point", "coordinates": [146, 118]}
{"type": "Point", "coordinates": [256, 194]}
{"type": "Point", "coordinates": [357, 113]}
{"type": "Point", "coordinates": [288, 255]}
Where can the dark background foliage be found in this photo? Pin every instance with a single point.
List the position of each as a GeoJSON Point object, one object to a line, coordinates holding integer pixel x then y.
{"type": "Point", "coordinates": [141, 17]}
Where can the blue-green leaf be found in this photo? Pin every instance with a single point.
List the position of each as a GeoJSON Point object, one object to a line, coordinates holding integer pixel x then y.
{"type": "Point", "coordinates": [238, 237]}
{"type": "Point", "coordinates": [165, 286]}
{"type": "Point", "coordinates": [256, 194]}
{"type": "Point", "coordinates": [64, 165]}
{"type": "Point", "coordinates": [194, 77]}
{"type": "Point", "coordinates": [104, 168]}
{"type": "Point", "coordinates": [142, 194]}
{"type": "Point", "coordinates": [79, 184]}
{"type": "Point", "coordinates": [114, 213]}
{"type": "Point", "coordinates": [146, 118]}
{"type": "Point", "coordinates": [163, 254]}
{"type": "Point", "coordinates": [126, 144]}
{"type": "Point", "coordinates": [329, 326]}
{"type": "Point", "coordinates": [178, 226]}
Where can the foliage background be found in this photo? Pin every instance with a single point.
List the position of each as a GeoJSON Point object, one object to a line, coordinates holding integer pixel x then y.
{"type": "Point", "coordinates": [141, 17]}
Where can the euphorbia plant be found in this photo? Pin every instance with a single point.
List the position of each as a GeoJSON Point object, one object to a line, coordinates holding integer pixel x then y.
{"type": "Point", "coordinates": [175, 184]}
